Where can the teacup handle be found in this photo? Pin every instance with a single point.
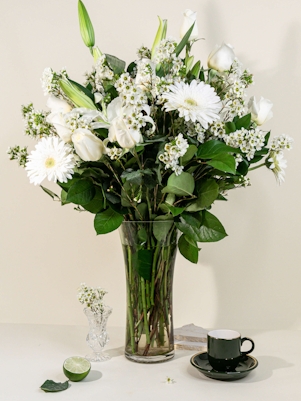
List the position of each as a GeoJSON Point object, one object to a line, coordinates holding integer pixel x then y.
{"type": "Point", "coordinates": [252, 342]}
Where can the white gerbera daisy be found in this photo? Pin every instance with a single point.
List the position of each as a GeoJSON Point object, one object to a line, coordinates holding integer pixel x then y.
{"type": "Point", "coordinates": [52, 159]}
{"type": "Point", "coordinates": [277, 164]}
{"type": "Point", "coordinates": [194, 101]}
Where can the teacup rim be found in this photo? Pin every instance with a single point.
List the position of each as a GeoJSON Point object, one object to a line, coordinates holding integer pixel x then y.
{"type": "Point", "coordinates": [224, 334]}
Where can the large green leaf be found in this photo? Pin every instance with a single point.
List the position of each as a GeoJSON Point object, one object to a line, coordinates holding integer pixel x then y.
{"type": "Point", "coordinates": [117, 65]}
{"type": "Point", "coordinates": [181, 185]}
{"type": "Point", "coordinates": [107, 221]}
{"type": "Point", "coordinates": [224, 162]}
{"type": "Point", "coordinates": [207, 193]}
{"type": "Point", "coordinates": [175, 211]}
{"type": "Point", "coordinates": [188, 248]}
{"type": "Point", "coordinates": [213, 148]}
{"type": "Point", "coordinates": [161, 227]}
{"type": "Point", "coordinates": [97, 203]}
{"type": "Point", "coordinates": [191, 151]}
{"type": "Point", "coordinates": [49, 386]}
{"type": "Point", "coordinates": [243, 122]}
{"type": "Point", "coordinates": [81, 192]}
{"type": "Point", "coordinates": [211, 229]}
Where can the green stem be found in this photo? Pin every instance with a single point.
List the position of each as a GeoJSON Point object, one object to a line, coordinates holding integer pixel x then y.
{"type": "Point", "coordinates": [146, 329]}
{"type": "Point", "coordinates": [154, 266]}
{"type": "Point", "coordinates": [259, 165]}
{"type": "Point", "coordinates": [129, 301]}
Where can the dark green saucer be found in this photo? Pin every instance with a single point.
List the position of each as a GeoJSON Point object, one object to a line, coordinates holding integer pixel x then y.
{"type": "Point", "coordinates": [201, 363]}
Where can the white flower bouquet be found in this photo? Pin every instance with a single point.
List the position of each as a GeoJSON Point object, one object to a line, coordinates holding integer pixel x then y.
{"type": "Point", "coordinates": [160, 139]}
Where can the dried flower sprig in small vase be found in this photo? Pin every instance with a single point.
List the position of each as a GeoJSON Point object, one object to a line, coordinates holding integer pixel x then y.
{"type": "Point", "coordinates": [97, 313]}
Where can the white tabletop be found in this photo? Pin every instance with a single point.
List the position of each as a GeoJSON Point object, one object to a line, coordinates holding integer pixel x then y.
{"type": "Point", "coordinates": [31, 354]}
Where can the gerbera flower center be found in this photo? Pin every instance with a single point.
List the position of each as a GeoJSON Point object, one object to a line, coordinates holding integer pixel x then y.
{"type": "Point", "coordinates": [49, 162]}
{"type": "Point", "coordinates": [191, 102]}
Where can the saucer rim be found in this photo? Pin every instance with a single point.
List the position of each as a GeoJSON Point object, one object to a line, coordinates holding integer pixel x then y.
{"type": "Point", "coordinates": [212, 371]}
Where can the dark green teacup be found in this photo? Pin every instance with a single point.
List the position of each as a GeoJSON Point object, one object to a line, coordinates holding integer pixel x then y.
{"type": "Point", "coordinates": [224, 349]}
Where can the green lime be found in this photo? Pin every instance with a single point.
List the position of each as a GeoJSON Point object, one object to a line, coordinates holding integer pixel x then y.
{"type": "Point", "coordinates": [76, 368]}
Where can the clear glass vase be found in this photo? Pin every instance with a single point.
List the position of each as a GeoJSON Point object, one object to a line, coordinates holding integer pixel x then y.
{"type": "Point", "coordinates": [98, 337]}
{"type": "Point", "coordinates": [149, 253]}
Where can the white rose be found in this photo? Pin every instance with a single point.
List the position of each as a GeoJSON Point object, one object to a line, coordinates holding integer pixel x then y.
{"type": "Point", "coordinates": [261, 111]}
{"type": "Point", "coordinates": [87, 145]}
{"type": "Point", "coordinates": [221, 58]}
{"type": "Point", "coordinates": [189, 19]}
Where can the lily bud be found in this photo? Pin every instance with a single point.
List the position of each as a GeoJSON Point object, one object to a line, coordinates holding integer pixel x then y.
{"type": "Point", "coordinates": [96, 53]}
{"type": "Point", "coordinates": [76, 95]}
{"type": "Point", "coordinates": [261, 111]}
{"type": "Point", "coordinates": [87, 145]}
{"type": "Point", "coordinates": [159, 36]}
{"type": "Point", "coordinates": [85, 25]}
{"type": "Point", "coordinates": [221, 58]}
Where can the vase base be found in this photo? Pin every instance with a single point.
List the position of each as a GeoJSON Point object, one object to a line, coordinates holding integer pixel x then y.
{"type": "Point", "coordinates": [151, 358]}
{"type": "Point", "coordinates": [98, 357]}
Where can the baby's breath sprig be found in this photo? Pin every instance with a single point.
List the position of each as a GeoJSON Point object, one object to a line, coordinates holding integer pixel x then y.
{"type": "Point", "coordinates": [91, 297]}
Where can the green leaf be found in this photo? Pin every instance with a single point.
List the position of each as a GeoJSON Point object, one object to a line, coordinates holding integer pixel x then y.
{"type": "Point", "coordinates": [212, 148]}
{"type": "Point", "coordinates": [211, 229]}
{"type": "Point", "coordinates": [142, 261]}
{"type": "Point", "coordinates": [184, 41]}
{"type": "Point", "coordinates": [230, 127]}
{"type": "Point", "coordinates": [161, 227]}
{"type": "Point", "coordinates": [243, 122]}
{"type": "Point", "coordinates": [196, 69]}
{"type": "Point", "coordinates": [207, 193]}
{"type": "Point", "coordinates": [224, 162]}
{"type": "Point", "coordinates": [81, 192]}
{"type": "Point", "coordinates": [107, 221]}
{"type": "Point", "coordinates": [49, 386]}
{"type": "Point", "coordinates": [242, 167]}
{"type": "Point", "coordinates": [188, 249]}
{"type": "Point", "coordinates": [85, 25]}
{"type": "Point", "coordinates": [188, 230]}
{"type": "Point", "coordinates": [64, 197]}
{"type": "Point", "coordinates": [50, 193]}
{"type": "Point", "coordinates": [181, 185]}
{"type": "Point", "coordinates": [97, 203]}
{"type": "Point", "coordinates": [190, 152]}
{"type": "Point", "coordinates": [193, 219]}
{"type": "Point", "coordinates": [117, 65]}
{"type": "Point", "coordinates": [175, 211]}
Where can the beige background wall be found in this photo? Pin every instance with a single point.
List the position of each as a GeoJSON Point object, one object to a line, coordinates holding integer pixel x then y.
{"type": "Point", "coordinates": [252, 278]}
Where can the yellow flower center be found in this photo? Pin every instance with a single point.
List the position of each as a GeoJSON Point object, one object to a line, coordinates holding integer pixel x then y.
{"type": "Point", "coordinates": [49, 162]}
{"type": "Point", "coordinates": [191, 102]}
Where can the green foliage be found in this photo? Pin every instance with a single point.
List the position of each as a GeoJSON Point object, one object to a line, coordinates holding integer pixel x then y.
{"type": "Point", "coordinates": [81, 192]}
{"type": "Point", "coordinates": [181, 185]}
{"type": "Point", "coordinates": [107, 221]}
{"type": "Point", "coordinates": [188, 248]}
{"type": "Point", "coordinates": [49, 386]}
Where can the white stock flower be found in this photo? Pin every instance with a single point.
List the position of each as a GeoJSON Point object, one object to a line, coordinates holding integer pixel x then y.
{"type": "Point", "coordinates": [51, 159]}
{"type": "Point", "coordinates": [87, 145]}
{"type": "Point", "coordinates": [189, 19]}
{"type": "Point", "coordinates": [261, 111]}
{"type": "Point", "coordinates": [194, 101]}
{"type": "Point", "coordinates": [277, 164]}
{"type": "Point", "coordinates": [221, 58]}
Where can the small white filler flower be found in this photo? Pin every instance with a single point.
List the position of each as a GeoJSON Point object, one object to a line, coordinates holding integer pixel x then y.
{"type": "Point", "coordinates": [194, 101]}
{"type": "Point", "coordinates": [52, 159]}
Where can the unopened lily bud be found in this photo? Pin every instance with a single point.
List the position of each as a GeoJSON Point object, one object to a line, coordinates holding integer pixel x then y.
{"type": "Point", "coordinates": [85, 25]}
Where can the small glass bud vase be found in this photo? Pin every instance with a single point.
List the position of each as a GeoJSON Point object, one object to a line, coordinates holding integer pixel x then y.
{"type": "Point", "coordinates": [98, 337]}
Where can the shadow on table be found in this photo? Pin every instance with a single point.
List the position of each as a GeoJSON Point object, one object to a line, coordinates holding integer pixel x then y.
{"type": "Point", "coordinates": [93, 376]}
{"type": "Point", "coordinates": [115, 351]}
{"type": "Point", "coordinates": [266, 366]}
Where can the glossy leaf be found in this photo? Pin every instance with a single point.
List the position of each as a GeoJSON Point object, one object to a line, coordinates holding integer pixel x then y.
{"type": "Point", "coordinates": [107, 221]}
{"type": "Point", "coordinates": [212, 148]}
{"type": "Point", "coordinates": [81, 192]}
{"type": "Point", "coordinates": [142, 261]}
{"type": "Point", "coordinates": [223, 162]}
{"type": "Point", "coordinates": [161, 227]}
{"type": "Point", "coordinates": [188, 249]}
{"type": "Point", "coordinates": [97, 203]}
{"type": "Point", "coordinates": [211, 229]}
{"type": "Point", "coordinates": [243, 122]}
{"type": "Point", "coordinates": [191, 151]}
{"type": "Point", "coordinates": [184, 40]}
{"type": "Point", "coordinates": [207, 193]}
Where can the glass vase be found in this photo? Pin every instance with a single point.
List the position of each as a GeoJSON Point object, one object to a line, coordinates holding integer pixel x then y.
{"type": "Point", "coordinates": [98, 337]}
{"type": "Point", "coordinates": [149, 253]}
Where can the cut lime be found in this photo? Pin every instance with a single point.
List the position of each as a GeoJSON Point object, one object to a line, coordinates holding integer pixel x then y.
{"type": "Point", "coordinates": [76, 368]}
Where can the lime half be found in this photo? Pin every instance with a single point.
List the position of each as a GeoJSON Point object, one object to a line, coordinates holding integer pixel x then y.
{"type": "Point", "coordinates": [76, 368]}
